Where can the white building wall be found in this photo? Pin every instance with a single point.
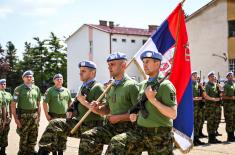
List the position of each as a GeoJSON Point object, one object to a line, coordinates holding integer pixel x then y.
{"type": "Point", "coordinates": [130, 49]}
{"type": "Point", "coordinates": [101, 50]}
{"type": "Point", "coordinates": [207, 32]}
{"type": "Point", "coordinates": [78, 48]}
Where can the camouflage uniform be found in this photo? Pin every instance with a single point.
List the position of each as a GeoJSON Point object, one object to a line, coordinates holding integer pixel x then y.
{"type": "Point", "coordinates": [55, 136]}
{"type": "Point", "coordinates": [229, 107]}
{"type": "Point", "coordinates": [4, 135]}
{"type": "Point", "coordinates": [213, 109]}
{"type": "Point", "coordinates": [27, 99]}
{"type": "Point", "coordinates": [154, 133]}
{"type": "Point", "coordinates": [198, 108]}
{"type": "Point", "coordinates": [120, 98]}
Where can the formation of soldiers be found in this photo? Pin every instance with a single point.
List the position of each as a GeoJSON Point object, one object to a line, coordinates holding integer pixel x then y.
{"type": "Point", "coordinates": [208, 102]}
{"type": "Point", "coordinates": [115, 120]}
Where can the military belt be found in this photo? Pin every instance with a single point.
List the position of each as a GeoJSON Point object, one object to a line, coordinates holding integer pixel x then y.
{"type": "Point", "coordinates": [27, 111]}
{"type": "Point", "coordinates": [93, 123]}
{"type": "Point", "coordinates": [55, 115]}
{"type": "Point", "coordinates": [154, 130]}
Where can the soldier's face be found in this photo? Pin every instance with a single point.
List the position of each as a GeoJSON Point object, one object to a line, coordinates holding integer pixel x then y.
{"type": "Point", "coordinates": [212, 78]}
{"type": "Point", "coordinates": [86, 74]}
{"type": "Point", "coordinates": [116, 67]}
{"type": "Point", "coordinates": [58, 82]}
{"type": "Point", "coordinates": [3, 86]}
{"type": "Point", "coordinates": [194, 77]}
{"type": "Point", "coordinates": [28, 79]}
{"type": "Point", "coordinates": [230, 77]}
{"type": "Point", "coordinates": [151, 66]}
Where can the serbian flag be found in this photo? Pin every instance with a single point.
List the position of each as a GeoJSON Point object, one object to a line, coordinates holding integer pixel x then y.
{"type": "Point", "coordinates": [171, 40]}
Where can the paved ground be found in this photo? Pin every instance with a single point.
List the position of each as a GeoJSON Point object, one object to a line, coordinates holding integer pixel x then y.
{"type": "Point", "coordinates": [218, 149]}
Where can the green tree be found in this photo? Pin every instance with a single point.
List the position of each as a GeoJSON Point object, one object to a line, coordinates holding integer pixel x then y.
{"type": "Point", "coordinates": [13, 76]}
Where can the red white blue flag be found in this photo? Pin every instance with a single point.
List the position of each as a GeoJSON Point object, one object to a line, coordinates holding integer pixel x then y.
{"type": "Point", "coordinates": [171, 40]}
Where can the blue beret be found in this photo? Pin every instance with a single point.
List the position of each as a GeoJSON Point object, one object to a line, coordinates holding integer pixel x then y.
{"type": "Point", "coordinates": [211, 73]}
{"type": "Point", "coordinates": [28, 72]}
{"type": "Point", "coordinates": [86, 63]}
{"type": "Point", "coordinates": [57, 76]}
{"type": "Point", "coordinates": [117, 56]}
{"type": "Point", "coordinates": [194, 72]}
{"type": "Point", "coordinates": [3, 81]}
{"type": "Point", "coordinates": [229, 74]}
{"type": "Point", "coordinates": [151, 54]}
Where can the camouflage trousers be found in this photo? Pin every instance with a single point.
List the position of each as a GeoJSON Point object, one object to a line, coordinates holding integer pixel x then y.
{"type": "Point", "coordinates": [28, 133]}
{"type": "Point", "coordinates": [198, 117]}
{"type": "Point", "coordinates": [202, 108]}
{"type": "Point", "coordinates": [229, 114]}
{"type": "Point", "coordinates": [55, 136]}
{"type": "Point", "coordinates": [4, 134]}
{"type": "Point", "coordinates": [213, 111]}
{"type": "Point", "coordinates": [157, 141]}
{"type": "Point", "coordinates": [92, 141]}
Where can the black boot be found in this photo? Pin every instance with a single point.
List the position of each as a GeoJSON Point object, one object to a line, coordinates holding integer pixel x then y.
{"type": "Point", "coordinates": [231, 137]}
{"type": "Point", "coordinates": [54, 153]}
{"type": "Point", "coordinates": [197, 142]}
{"type": "Point", "coordinates": [213, 140]}
{"type": "Point", "coordinates": [42, 151]}
{"type": "Point", "coordinates": [3, 151]}
{"type": "Point", "coordinates": [217, 134]}
{"type": "Point", "coordinates": [60, 152]}
{"type": "Point", "coordinates": [201, 135]}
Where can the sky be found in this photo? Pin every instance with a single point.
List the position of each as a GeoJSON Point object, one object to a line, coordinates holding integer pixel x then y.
{"type": "Point", "coordinates": [21, 20]}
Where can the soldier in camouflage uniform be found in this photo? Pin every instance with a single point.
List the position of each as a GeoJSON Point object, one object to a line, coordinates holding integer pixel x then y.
{"type": "Point", "coordinates": [4, 134]}
{"type": "Point", "coordinates": [212, 108]}
{"type": "Point", "coordinates": [57, 99]}
{"type": "Point", "coordinates": [154, 131]}
{"type": "Point", "coordinates": [198, 93]}
{"type": "Point", "coordinates": [122, 95]}
{"type": "Point", "coordinates": [2, 115]}
{"type": "Point", "coordinates": [229, 106]}
{"type": "Point", "coordinates": [27, 98]}
{"type": "Point", "coordinates": [55, 136]}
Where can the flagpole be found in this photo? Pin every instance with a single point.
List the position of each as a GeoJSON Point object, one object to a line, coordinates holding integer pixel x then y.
{"type": "Point", "coordinates": [89, 111]}
{"type": "Point", "coordinates": [177, 34]}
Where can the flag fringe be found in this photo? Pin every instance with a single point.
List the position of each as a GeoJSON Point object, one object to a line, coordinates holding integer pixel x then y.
{"type": "Point", "coordinates": [187, 138]}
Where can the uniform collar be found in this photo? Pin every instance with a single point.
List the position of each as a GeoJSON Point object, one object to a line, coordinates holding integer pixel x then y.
{"type": "Point", "coordinates": [119, 82]}
{"type": "Point", "coordinates": [211, 83]}
{"type": "Point", "coordinates": [28, 86]}
{"type": "Point", "coordinates": [85, 84]}
{"type": "Point", "coordinates": [230, 82]}
{"type": "Point", "coordinates": [59, 89]}
{"type": "Point", "coordinates": [155, 79]}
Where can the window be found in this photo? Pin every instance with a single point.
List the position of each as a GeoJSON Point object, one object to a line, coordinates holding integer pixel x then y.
{"type": "Point", "coordinates": [144, 41]}
{"type": "Point", "coordinates": [231, 28]}
{"type": "Point", "coordinates": [133, 41]}
{"type": "Point", "coordinates": [232, 65]}
{"type": "Point", "coordinates": [114, 39]}
{"type": "Point", "coordinates": [123, 40]}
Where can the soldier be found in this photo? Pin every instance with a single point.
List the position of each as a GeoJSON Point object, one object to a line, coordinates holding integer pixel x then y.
{"type": "Point", "coordinates": [27, 97]}
{"type": "Point", "coordinates": [212, 108]}
{"type": "Point", "coordinates": [154, 131]}
{"type": "Point", "coordinates": [57, 99]}
{"type": "Point", "coordinates": [2, 116]}
{"type": "Point", "coordinates": [198, 94]}
{"type": "Point", "coordinates": [229, 106]}
{"type": "Point", "coordinates": [55, 136]}
{"type": "Point", "coordinates": [4, 134]}
{"type": "Point", "coordinates": [119, 99]}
